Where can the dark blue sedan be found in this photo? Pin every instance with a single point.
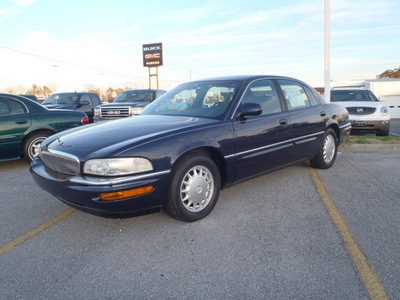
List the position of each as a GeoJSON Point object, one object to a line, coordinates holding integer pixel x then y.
{"type": "Point", "coordinates": [189, 143]}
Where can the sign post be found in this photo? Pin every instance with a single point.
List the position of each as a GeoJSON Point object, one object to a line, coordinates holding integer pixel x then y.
{"type": "Point", "coordinates": [153, 58]}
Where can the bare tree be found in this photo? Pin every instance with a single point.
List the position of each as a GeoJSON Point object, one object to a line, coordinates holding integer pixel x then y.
{"type": "Point", "coordinates": [46, 91]}
{"type": "Point", "coordinates": [35, 90]}
{"type": "Point", "coordinates": [395, 73]}
{"type": "Point", "coordinates": [17, 89]}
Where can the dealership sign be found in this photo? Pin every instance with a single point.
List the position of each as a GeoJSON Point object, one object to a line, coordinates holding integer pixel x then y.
{"type": "Point", "coordinates": [152, 55]}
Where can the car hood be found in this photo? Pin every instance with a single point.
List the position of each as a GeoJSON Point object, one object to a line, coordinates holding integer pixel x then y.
{"type": "Point", "coordinates": [131, 104]}
{"type": "Point", "coordinates": [59, 106]}
{"type": "Point", "coordinates": [359, 104]}
{"type": "Point", "coordinates": [112, 138]}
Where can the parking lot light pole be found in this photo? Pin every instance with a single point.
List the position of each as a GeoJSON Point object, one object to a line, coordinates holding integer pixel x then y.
{"type": "Point", "coordinates": [327, 75]}
{"type": "Point", "coordinates": [54, 77]}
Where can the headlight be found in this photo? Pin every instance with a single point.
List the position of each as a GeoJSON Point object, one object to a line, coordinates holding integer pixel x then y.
{"type": "Point", "coordinates": [117, 166]}
{"type": "Point", "coordinates": [136, 110]}
{"type": "Point", "coordinates": [97, 111]}
{"type": "Point", "coordinates": [384, 111]}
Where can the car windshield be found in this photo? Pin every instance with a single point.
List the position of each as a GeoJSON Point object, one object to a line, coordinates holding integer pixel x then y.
{"type": "Point", "coordinates": [339, 96]}
{"type": "Point", "coordinates": [135, 96]}
{"type": "Point", "coordinates": [64, 98]}
{"type": "Point", "coordinates": [203, 99]}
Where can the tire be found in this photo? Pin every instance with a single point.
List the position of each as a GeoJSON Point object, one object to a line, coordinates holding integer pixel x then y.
{"type": "Point", "coordinates": [327, 152]}
{"type": "Point", "coordinates": [30, 148]}
{"type": "Point", "coordinates": [194, 188]}
{"type": "Point", "coordinates": [383, 133]}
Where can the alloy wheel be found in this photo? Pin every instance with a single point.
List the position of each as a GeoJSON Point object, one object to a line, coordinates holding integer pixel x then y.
{"type": "Point", "coordinates": [197, 188]}
{"type": "Point", "coordinates": [329, 148]}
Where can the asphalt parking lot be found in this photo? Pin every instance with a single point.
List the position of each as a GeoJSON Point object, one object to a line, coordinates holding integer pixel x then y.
{"type": "Point", "coordinates": [271, 237]}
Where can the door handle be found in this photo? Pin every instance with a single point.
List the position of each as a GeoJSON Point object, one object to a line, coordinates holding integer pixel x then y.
{"type": "Point", "coordinates": [284, 121]}
{"type": "Point", "coordinates": [322, 113]}
{"type": "Point", "coordinates": [21, 122]}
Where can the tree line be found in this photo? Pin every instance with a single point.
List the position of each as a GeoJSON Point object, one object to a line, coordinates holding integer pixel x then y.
{"type": "Point", "coordinates": [395, 73]}
{"type": "Point", "coordinates": [109, 93]}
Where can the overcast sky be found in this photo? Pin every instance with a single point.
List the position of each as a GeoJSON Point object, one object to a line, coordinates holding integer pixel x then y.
{"type": "Point", "coordinates": [73, 43]}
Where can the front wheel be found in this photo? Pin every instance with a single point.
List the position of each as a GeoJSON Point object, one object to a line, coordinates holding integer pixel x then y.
{"type": "Point", "coordinates": [194, 188]}
{"type": "Point", "coordinates": [31, 146]}
{"type": "Point", "coordinates": [327, 153]}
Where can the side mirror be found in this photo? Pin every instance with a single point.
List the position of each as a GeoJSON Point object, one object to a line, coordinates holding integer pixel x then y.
{"type": "Point", "coordinates": [249, 109]}
{"type": "Point", "coordinates": [84, 102]}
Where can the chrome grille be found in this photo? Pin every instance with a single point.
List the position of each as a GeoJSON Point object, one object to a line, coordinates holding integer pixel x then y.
{"type": "Point", "coordinates": [358, 110]}
{"type": "Point", "coordinates": [61, 162]}
{"type": "Point", "coordinates": [115, 112]}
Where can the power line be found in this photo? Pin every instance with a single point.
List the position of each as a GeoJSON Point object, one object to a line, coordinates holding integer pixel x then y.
{"type": "Point", "coordinates": [71, 64]}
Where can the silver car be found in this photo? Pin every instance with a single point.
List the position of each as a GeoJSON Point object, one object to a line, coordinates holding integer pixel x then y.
{"type": "Point", "coordinates": [366, 112]}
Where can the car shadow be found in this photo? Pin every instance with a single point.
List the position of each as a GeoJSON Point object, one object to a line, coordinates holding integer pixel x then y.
{"type": "Point", "coordinates": [13, 164]}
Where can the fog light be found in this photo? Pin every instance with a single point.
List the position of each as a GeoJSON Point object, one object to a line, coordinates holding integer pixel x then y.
{"type": "Point", "coordinates": [126, 194]}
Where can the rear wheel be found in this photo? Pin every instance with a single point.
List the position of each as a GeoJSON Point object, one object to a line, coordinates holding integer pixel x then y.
{"type": "Point", "coordinates": [327, 153]}
{"type": "Point", "coordinates": [383, 133]}
{"type": "Point", "coordinates": [194, 188]}
{"type": "Point", "coordinates": [31, 146]}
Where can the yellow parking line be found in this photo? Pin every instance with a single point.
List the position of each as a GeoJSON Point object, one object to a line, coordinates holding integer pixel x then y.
{"type": "Point", "coordinates": [35, 231]}
{"type": "Point", "coordinates": [371, 280]}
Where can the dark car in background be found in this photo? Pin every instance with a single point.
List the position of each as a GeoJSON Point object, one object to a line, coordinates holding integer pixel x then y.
{"type": "Point", "coordinates": [32, 97]}
{"type": "Point", "coordinates": [25, 124]}
{"type": "Point", "coordinates": [85, 102]}
{"type": "Point", "coordinates": [127, 104]}
{"type": "Point", "coordinates": [188, 144]}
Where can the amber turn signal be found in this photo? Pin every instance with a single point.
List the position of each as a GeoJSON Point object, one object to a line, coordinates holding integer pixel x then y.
{"type": "Point", "coordinates": [126, 194]}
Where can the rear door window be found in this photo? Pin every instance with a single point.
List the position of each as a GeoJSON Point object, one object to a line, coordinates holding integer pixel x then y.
{"type": "Point", "coordinates": [11, 107]}
{"type": "Point", "coordinates": [311, 96]}
{"type": "Point", "coordinates": [295, 96]}
{"type": "Point", "coordinates": [85, 98]}
{"type": "Point", "coordinates": [95, 99]}
{"type": "Point", "coordinates": [4, 107]}
{"type": "Point", "coordinates": [16, 108]}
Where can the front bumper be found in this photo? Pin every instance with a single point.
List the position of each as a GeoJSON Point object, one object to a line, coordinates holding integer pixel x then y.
{"type": "Point", "coordinates": [369, 125]}
{"type": "Point", "coordinates": [344, 132]}
{"type": "Point", "coordinates": [83, 193]}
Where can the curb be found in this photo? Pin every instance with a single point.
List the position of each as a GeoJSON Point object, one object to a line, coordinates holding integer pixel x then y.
{"type": "Point", "coordinates": [369, 148]}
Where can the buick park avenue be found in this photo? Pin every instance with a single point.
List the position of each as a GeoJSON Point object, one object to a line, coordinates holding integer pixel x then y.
{"type": "Point", "coordinates": [187, 145]}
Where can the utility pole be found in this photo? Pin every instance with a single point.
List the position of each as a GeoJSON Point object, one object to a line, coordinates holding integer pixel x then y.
{"type": "Point", "coordinates": [327, 75]}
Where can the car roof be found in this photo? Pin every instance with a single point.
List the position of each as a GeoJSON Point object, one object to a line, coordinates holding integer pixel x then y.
{"type": "Point", "coordinates": [14, 95]}
{"type": "Point", "coordinates": [78, 93]}
{"type": "Point", "coordinates": [237, 77]}
{"type": "Point", "coordinates": [349, 89]}
{"type": "Point", "coordinates": [251, 78]}
{"type": "Point", "coordinates": [149, 90]}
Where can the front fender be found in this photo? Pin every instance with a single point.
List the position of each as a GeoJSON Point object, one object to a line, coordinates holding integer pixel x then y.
{"type": "Point", "coordinates": [164, 152]}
